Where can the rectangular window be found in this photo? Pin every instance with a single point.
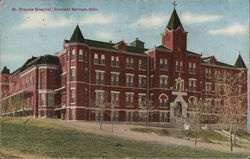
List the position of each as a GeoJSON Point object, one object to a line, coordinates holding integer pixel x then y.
{"type": "Point", "coordinates": [50, 99]}
{"type": "Point", "coordinates": [99, 77]}
{"type": "Point", "coordinates": [163, 102]}
{"type": "Point", "coordinates": [163, 64]}
{"type": "Point", "coordinates": [42, 113]}
{"type": "Point", "coordinates": [115, 98]}
{"type": "Point", "coordinates": [73, 54]}
{"type": "Point", "coordinates": [96, 59]}
{"type": "Point", "coordinates": [72, 95]}
{"type": "Point", "coordinates": [99, 98]}
{"type": "Point", "coordinates": [208, 87]}
{"type": "Point", "coordinates": [129, 99]}
{"type": "Point", "coordinates": [142, 64]}
{"type": "Point", "coordinates": [192, 85]}
{"type": "Point", "coordinates": [129, 116]}
{"type": "Point", "coordinates": [103, 60]}
{"type": "Point", "coordinates": [114, 78]}
{"type": "Point", "coordinates": [142, 100]}
{"type": "Point", "coordinates": [115, 115]}
{"type": "Point", "coordinates": [72, 75]}
{"type": "Point", "coordinates": [81, 55]}
{"type": "Point", "coordinates": [129, 80]}
{"type": "Point", "coordinates": [115, 61]}
{"type": "Point", "coordinates": [142, 81]}
{"type": "Point", "coordinates": [163, 117]}
{"type": "Point", "coordinates": [43, 99]}
{"type": "Point", "coordinates": [192, 67]}
{"type": "Point", "coordinates": [163, 81]}
{"type": "Point", "coordinates": [129, 63]}
{"type": "Point", "coordinates": [179, 66]}
{"type": "Point", "coordinates": [208, 73]}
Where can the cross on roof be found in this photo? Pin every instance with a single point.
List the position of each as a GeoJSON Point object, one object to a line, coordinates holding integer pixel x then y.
{"type": "Point", "coordinates": [174, 4]}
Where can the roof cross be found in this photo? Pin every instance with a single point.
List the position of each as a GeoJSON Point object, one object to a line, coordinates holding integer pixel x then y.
{"type": "Point", "coordinates": [174, 4]}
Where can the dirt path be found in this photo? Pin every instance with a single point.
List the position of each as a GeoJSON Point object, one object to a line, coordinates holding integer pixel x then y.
{"type": "Point", "coordinates": [122, 131]}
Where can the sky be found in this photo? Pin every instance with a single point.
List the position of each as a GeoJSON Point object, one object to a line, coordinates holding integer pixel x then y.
{"type": "Point", "coordinates": [215, 27]}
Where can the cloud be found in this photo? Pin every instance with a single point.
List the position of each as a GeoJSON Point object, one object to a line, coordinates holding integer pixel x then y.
{"type": "Point", "coordinates": [189, 18]}
{"type": "Point", "coordinates": [105, 35]}
{"type": "Point", "coordinates": [147, 22]}
{"type": "Point", "coordinates": [34, 20]}
{"type": "Point", "coordinates": [98, 19]}
{"type": "Point", "coordinates": [229, 30]}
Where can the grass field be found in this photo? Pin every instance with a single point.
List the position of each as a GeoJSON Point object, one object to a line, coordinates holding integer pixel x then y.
{"type": "Point", "coordinates": [52, 140]}
{"type": "Point", "coordinates": [202, 135]}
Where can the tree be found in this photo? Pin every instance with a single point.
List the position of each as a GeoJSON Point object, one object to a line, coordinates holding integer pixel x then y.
{"type": "Point", "coordinates": [232, 90]}
{"type": "Point", "coordinates": [200, 112]}
{"type": "Point", "coordinates": [147, 109]}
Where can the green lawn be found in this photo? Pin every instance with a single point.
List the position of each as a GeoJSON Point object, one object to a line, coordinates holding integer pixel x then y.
{"type": "Point", "coordinates": [47, 139]}
{"type": "Point", "coordinates": [202, 135]}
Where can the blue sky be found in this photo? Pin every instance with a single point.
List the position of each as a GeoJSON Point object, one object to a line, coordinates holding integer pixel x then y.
{"type": "Point", "coordinates": [216, 27]}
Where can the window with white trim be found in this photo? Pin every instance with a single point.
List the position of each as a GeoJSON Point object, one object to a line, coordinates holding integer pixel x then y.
{"type": "Point", "coordinates": [142, 81]}
{"type": "Point", "coordinates": [142, 100]}
{"type": "Point", "coordinates": [208, 87]}
{"type": "Point", "coordinates": [163, 101]}
{"type": "Point", "coordinates": [43, 102]}
{"type": "Point", "coordinates": [130, 63]}
{"type": "Point", "coordinates": [142, 64]}
{"type": "Point", "coordinates": [163, 64]}
{"type": "Point", "coordinates": [81, 55]}
{"type": "Point", "coordinates": [72, 95]}
{"type": "Point", "coordinates": [73, 74]}
{"type": "Point", "coordinates": [163, 81]}
{"type": "Point", "coordinates": [192, 84]}
{"type": "Point", "coordinates": [103, 60]}
{"type": "Point", "coordinates": [208, 73]}
{"type": "Point", "coordinates": [115, 116]}
{"type": "Point", "coordinates": [163, 117]}
{"type": "Point", "coordinates": [192, 67]}
{"type": "Point", "coordinates": [114, 78]}
{"type": "Point", "coordinates": [179, 84]}
{"type": "Point", "coordinates": [115, 98]}
{"type": "Point", "coordinates": [50, 99]}
{"type": "Point", "coordinates": [115, 61]}
{"type": "Point", "coordinates": [99, 77]}
{"type": "Point", "coordinates": [129, 80]}
{"type": "Point", "coordinates": [96, 59]}
{"type": "Point", "coordinates": [99, 98]}
{"type": "Point", "coordinates": [179, 66]}
{"type": "Point", "coordinates": [73, 54]}
{"type": "Point", "coordinates": [129, 99]}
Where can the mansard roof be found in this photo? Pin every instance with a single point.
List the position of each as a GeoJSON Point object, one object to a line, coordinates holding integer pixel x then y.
{"type": "Point", "coordinates": [207, 61]}
{"type": "Point", "coordinates": [240, 63]}
{"type": "Point", "coordinates": [110, 45]}
{"type": "Point", "coordinates": [174, 22]}
{"type": "Point", "coordinates": [77, 36]}
{"type": "Point", "coordinates": [46, 59]}
{"type": "Point", "coordinates": [5, 70]}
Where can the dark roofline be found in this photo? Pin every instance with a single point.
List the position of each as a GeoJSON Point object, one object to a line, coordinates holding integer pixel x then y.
{"type": "Point", "coordinates": [45, 59]}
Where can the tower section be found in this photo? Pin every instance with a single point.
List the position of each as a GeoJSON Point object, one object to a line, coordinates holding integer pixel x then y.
{"type": "Point", "coordinates": [174, 36]}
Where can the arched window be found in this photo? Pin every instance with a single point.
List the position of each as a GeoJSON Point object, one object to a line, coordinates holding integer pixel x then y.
{"type": "Point", "coordinates": [163, 100]}
{"type": "Point", "coordinates": [103, 61]}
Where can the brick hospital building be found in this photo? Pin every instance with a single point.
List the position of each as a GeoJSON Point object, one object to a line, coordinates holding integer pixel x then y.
{"type": "Point", "coordinates": [76, 83]}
